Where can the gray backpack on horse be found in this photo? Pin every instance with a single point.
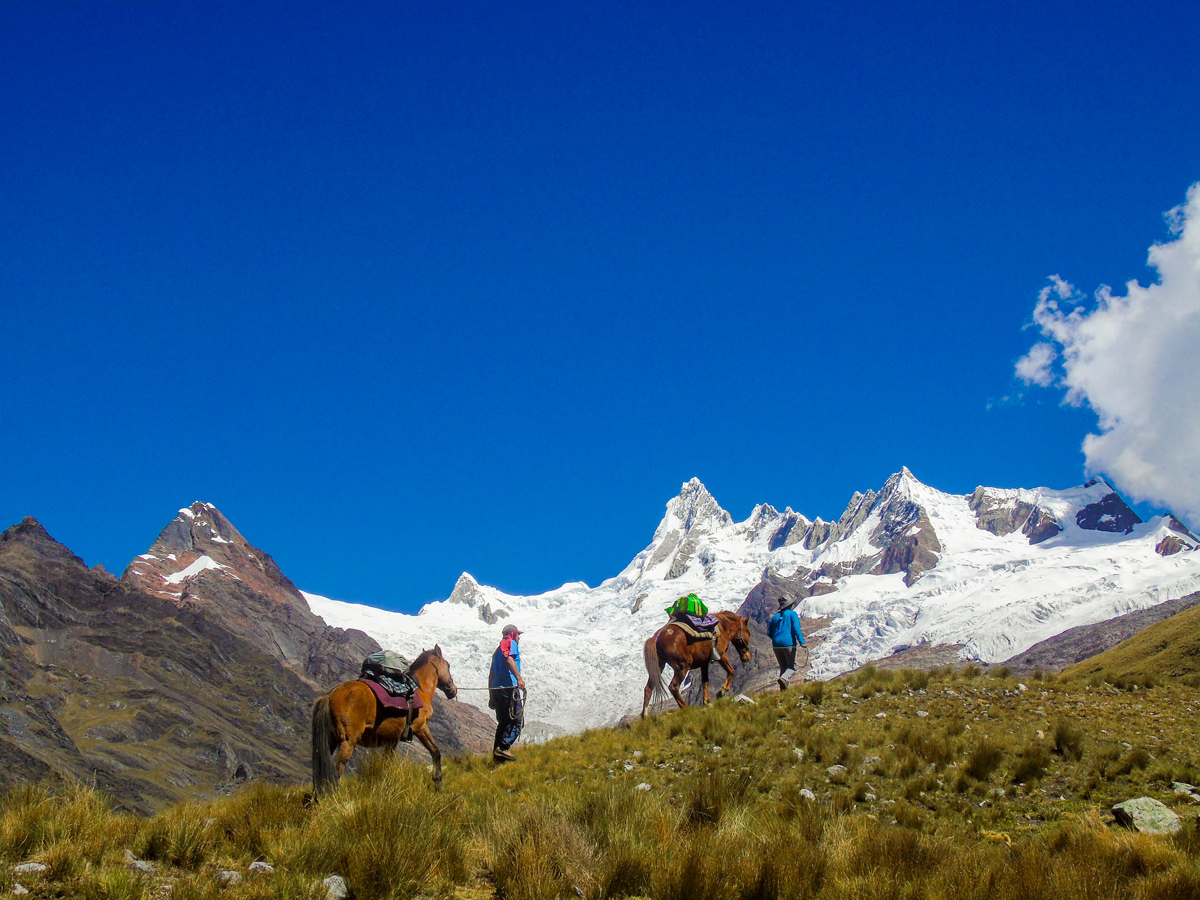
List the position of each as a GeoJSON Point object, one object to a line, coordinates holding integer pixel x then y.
{"type": "Point", "coordinates": [389, 669]}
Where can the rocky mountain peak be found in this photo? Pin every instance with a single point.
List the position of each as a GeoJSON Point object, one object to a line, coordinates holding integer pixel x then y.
{"type": "Point", "coordinates": [466, 591]}
{"type": "Point", "coordinates": [695, 508]}
{"type": "Point", "coordinates": [29, 528]}
{"type": "Point", "coordinates": [763, 516]}
{"type": "Point", "coordinates": [201, 561]}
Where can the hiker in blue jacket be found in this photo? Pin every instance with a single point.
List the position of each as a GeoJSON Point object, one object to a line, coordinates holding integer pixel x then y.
{"type": "Point", "coordinates": [784, 629]}
{"type": "Point", "coordinates": [506, 694]}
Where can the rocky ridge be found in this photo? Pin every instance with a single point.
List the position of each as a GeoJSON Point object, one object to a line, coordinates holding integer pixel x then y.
{"type": "Point", "coordinates": [200, 561]}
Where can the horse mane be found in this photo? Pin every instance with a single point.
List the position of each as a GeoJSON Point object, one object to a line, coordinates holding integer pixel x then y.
{"type": "Point", "coordinates": [421, 660]}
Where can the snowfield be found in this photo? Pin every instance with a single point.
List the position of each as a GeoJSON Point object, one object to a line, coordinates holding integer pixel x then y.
{"type": "Point", "coordinates": [581, 647]}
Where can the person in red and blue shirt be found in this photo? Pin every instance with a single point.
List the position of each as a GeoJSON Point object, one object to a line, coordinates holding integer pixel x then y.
{"type": "Point", "coordinates": [506, 687]}
{"type": "Point", "coordinates": [784, 629]}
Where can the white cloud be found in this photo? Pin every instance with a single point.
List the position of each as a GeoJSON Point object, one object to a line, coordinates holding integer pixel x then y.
{"type": "Point", "coordinates": [1035, 366]}
{"type": "Point", "coordinates": [1135, 360]}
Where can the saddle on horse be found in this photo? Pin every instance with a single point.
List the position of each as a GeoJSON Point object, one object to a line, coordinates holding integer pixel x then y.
{"type": "Point", "coordinates": [699, 628]}
{"type": "Point", "coordinates": [386, 673]}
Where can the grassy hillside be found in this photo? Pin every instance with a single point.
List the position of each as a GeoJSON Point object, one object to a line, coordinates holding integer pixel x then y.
{"type": "Point", "coordinates": [947, 785]}
{"type": "Point", "coordinates": [1166, 649]}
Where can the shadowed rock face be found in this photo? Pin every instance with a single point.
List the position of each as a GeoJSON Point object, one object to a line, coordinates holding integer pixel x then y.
{"type": "Point", "coordinates": [1110, 514]}
{"type": "Point", "coordinates": [1002, 512]}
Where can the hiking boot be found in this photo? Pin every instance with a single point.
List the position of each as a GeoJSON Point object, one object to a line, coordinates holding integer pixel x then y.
{"type": "Point", "coordinates": [782, 685]}
{"type": "Point", "coordinates": [500, 755]}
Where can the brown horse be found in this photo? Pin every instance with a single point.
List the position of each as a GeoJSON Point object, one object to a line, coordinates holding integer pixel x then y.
{"type": "Point", "coordinates": [671, 644]}
{"type": "Point", "coordinates": [350, 715]}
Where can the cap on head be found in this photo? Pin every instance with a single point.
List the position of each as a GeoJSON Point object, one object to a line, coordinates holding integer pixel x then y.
{"type": "Point", "coordinates": [786, 602]}
{"type": "Point", "coordinates": [510, 629]}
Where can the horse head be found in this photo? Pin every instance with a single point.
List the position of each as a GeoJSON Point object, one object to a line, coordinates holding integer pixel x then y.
{"type": "Point", "coordinates": [445, 679]}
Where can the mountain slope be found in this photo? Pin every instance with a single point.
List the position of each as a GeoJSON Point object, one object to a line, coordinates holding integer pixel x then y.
{"type": "Point", "coordinates": [1166, 649]}
{"type": "Point", "coordinates": [200, 562]}
{"type": "Point", "coordinates": [153, 702]}
{"type": "Point", "coordinates": [1086, 641]}
{"type": "Point", "coordinates": [995, 572]}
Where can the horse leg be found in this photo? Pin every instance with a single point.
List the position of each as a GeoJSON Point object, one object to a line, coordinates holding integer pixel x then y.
{"type": "Point", "coordinates": [728, 677]}
{"type": "Point", "coordinates": [347, 734]}
{"type": "Point", "coordinates": [704, 679]}
{"type": "Point", "coordinates": [675, 682]}
{"type": "Point", "coordinates": [344, 751]}
{"type": "Point", "coordinates": [422, 734]}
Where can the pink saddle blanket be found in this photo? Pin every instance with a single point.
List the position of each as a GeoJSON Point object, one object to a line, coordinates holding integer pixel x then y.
{"type": "Point", "coordinates": [399, 704]}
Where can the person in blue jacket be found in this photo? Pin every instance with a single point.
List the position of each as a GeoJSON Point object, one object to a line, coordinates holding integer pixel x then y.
{"type": "Point", "coordinates": [784, 629]}
{"type": "Point", "coordinates": [506, 688]}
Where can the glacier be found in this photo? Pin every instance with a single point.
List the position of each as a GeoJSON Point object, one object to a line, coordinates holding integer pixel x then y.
{"type": "Point", "coordinates": [904, 566]}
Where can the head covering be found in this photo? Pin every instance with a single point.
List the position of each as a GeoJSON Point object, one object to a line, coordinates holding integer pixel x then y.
{"type": "Point", "coordinates": [510, 629]}
{"type": "Point", "coordinates": [786, 602]}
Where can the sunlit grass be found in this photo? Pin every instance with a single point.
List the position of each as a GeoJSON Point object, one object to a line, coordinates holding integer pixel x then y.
{"type": "Point", "coordinates": [997, 791]}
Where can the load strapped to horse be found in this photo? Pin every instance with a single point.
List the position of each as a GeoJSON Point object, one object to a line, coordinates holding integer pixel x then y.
{"type": "Point", "coordinates": [691, 642]}
{"type": "Point", "coordinates": [365, 712]}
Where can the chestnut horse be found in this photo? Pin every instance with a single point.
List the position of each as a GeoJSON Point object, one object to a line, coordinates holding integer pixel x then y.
{"type": "Point", "coordinates": [350, 715]}
{"type": "Point", "coordinates": [671, 644]}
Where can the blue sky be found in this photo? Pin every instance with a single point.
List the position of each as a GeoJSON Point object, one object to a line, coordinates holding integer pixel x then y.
{"type": "Point", "coordinates": [407, 289]}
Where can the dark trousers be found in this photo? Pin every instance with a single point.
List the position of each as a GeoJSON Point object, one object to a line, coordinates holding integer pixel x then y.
{"type": "Point", "coordinates": [510, 716]}
{"type": "Point", "coordinates": [786, 657]}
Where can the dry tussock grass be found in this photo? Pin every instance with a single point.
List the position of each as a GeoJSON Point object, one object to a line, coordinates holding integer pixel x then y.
{"type": "Point", "coordinates": [992, 794]}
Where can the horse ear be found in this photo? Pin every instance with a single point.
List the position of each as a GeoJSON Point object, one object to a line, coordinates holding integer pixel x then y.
{"type": "Point", "coordinates": [437, 648]}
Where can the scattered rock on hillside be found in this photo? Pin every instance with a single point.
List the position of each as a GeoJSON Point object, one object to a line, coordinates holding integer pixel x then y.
{"type": "Point", "coordinates": [1146, 815]}
{"type": "Point", "coordinates": [138, 865]}
{"type": "Point", "coordinates": [1183, 789]}
{"type": "Point", "coordinates": [335, 888]}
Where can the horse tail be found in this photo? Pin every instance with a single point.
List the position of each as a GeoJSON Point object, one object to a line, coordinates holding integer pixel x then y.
{"type": "Point", "coordinates": [654, 670]}
{"type": "Point", "coordinates": [323, 773]}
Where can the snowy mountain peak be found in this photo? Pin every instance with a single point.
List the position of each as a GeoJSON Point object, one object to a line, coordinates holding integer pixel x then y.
{"type": "Point", "coordinates": [696, 509]}
{"type": "Point", "coordinates": [992, 572]}
{"type": "Point", "coordinates": [466, 591]}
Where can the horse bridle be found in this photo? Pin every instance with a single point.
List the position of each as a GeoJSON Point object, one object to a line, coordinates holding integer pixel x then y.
{"type": "Point", "coordinates": [452, 691]}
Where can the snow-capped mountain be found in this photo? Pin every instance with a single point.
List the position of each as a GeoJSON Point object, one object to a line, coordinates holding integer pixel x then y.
{"type": "Point", "coordinates": [996, 571]}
